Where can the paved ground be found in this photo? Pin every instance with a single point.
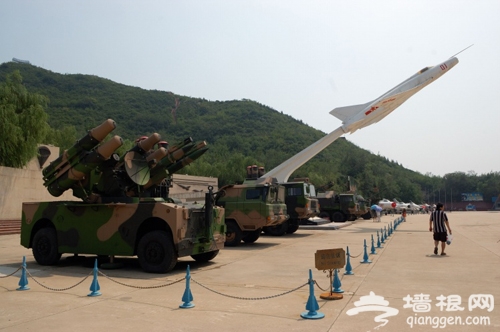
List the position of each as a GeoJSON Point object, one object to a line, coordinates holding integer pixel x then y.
{"type": "Point", "coordinates": [422, 291]}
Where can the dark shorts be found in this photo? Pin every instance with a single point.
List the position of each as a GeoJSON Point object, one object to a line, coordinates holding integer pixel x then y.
{"type": "Point", "coordinates": [441, 236]}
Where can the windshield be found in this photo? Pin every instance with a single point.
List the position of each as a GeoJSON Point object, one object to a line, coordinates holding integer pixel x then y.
{"type": "Point", "coordinates": [312, 190]}
{"type": "Point", "coordinates": [277, 194]}
{"type": "Point", "coordinates": [346, 198]}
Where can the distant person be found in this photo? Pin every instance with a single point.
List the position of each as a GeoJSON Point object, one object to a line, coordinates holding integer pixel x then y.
{"type": "Point", "coordinates": [403, 214]}
{"type": "Point", "coordinates": [437, 222]}
{"type": "Point", "coordinates": [375, 210]}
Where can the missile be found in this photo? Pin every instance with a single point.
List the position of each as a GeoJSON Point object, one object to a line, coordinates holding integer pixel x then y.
{"type": "Point", "coordinates": [156, 156]}
{"type": "Point", "coordinates": [87, 143]}
{"type": "Point", "coordinates": [162, 170]}
{"type": "Point", "coordinates": [89, 162]}
{"type": "Point", "coordinates": [359, 116]}
{"type": "Point", "coordinates": [186, 160]}
{"type": "Point", "coordinates": [174, 153]}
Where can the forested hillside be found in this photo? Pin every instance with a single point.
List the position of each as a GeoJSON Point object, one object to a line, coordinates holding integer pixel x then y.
{"type": "Point", "coordinates": [238, 133]}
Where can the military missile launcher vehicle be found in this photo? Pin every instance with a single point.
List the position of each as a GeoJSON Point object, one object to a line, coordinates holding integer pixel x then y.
{"type": "Point", "coordinates": [340, 207]}
{"type": "Point", "coordinates": [301, 204]}
{"type": "Point", "coordinates": [124, 209]}
{"type": "Point", "coordinates": [250, 206]}
{"type": "Point", "coordinates": [343, 207]}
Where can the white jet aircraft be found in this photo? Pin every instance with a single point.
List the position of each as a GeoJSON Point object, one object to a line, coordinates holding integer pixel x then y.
{"type": "Point", "coordinates": [359, 116]}
{"type": "Point", "coordinates": [385, 204]}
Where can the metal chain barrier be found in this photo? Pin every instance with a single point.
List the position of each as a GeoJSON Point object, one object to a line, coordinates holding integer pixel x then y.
{"type": "Point", "coordinates": [324, 290]}
{"type": "Point", "coordinates": [355, 256]}
{"type": "Point", "coordinates": [249, 298]}
{"type": "Point", "coordinates": [58, 289]}
{"type": "Point", "coordinates": [10, 275]}
{"type": "Point", "coordinates": [140, 287]}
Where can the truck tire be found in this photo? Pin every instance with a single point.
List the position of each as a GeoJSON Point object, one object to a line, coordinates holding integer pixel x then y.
{"type": "Point", "coordinates": [278, 230]}
{"type": "Point", "coordinates": [45, 246]}
{"type": "Point", "coordinates": [156, 252]}
{"type": "Point", "coordinates": [367, 215]}
{"type": "Point", "coordinates": [233, 234]}
{"type": "Point", "coordinates": [338, 216]}
{"type": "Point", "coordinates": [293, 225]}
{"type": "Point", "coordinates": [292, 229]}
{"type": "Point", "coordinates": [206, 256]}
{"type": "Point", "coordinates": [251, 237]}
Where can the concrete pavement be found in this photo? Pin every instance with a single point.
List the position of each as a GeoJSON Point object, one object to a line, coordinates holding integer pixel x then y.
{"type": "Point", "coordinates": [252, 286]}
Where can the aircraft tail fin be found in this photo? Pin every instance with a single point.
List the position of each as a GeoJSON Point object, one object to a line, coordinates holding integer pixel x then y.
{"type": "Point", "coordinates": [346, 112]}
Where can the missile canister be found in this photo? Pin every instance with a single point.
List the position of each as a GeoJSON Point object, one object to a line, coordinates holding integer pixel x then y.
{"type": "Point", "coordinates": [163, 169]}
{"type": "Point", "coordinates": [70, 175]}
{"type": "Point", "coordinates": [87, 143]}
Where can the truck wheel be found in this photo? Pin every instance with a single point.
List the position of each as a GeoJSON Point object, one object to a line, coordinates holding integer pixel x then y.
{"type": "Point", "coordinates": [292, 228]}
{"type": "Point", "coordinates": [45, 247]}
{"type": "Point", "coordinates": [233, 234]}
{"type": "Point", "coordinates": [251, 237]}
{"type": "Point", "coordinates": [206, 256]}
{"type": "Point", "coordinates": [338, 216]}
{"type": "Point", "coordinates": [278, 230]}
{"type": "Point", "coordinates": [156, 252]}
{"type": "Point", "coordinates": [367, 216]}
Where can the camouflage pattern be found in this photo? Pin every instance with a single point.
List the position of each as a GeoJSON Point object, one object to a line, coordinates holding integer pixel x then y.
{"type": "Point", "coordinates": [251, 206]}
{"type": "Point", "coordinates": [340, 207]}
{"type": "Point", "coordinates": [126, 209]}
{"type": "Point", "coordinates": [300, 200]}
{"type": "Point", "coordinates": [115, 229]}
{"type": "Point", "coordinates": [301, 204]}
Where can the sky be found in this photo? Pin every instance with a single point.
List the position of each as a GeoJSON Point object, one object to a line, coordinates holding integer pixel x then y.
{"type": "Point", "coordinates": [302, 58]}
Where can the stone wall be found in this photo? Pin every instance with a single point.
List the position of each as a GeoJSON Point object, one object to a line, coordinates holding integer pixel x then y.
{"type": "Point", "coordinates": [18, 185]}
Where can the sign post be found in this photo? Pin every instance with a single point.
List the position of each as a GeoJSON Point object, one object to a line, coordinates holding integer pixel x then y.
{"type": "Point", "coordinates": [328, 260]}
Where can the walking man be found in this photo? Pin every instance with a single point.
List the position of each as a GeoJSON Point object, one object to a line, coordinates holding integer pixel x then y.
{"type": "Point", "coordinates": [437, 223]}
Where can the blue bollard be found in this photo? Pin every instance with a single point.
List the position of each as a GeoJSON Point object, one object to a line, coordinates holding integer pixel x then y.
{"type": "Point", "coordinates": [187, 297]}
{"type": "Point", "coordinates": [373, 251]}
{"type": "Point", "coordinates": [312, 304]}
{"type": "Point", "coordinates": [382, 238]}
{"type": "Point", "coordinates": [365, 256]}
{"type": "Point", "coordinates": [348, 267]}
{"type": "Point", "coordinates": [94, 287]}
{"type": "Point", "coordinates": [389, 229]}
{"type": "Point", "coordinates": [336, 283]}
{"type": "Point", "coordinates": [378, 241]}
{"type": "Point", "coordinates": [23, 282]}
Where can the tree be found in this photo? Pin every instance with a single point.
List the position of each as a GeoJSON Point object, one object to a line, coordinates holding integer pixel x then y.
{"type": "Point", "coordinates": [23, 122]}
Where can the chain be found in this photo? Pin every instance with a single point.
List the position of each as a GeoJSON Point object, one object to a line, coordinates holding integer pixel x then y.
{"type": "Point", "coordinates": [354, 256]}
{"type": "Point", "coordinates": [324, 290]}
{"type": "Point", "coordinates": [57, 289]}
{"type": "Point", "coordinates": [140, 287]}
{"type": "Point", "coordinates": [249, 298]}
{"type": "Point", "coordinates": [9, 275]}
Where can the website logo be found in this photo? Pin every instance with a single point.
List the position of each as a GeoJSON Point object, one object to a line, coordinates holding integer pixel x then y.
{"type": "Point", "coordinates": [374, 303]}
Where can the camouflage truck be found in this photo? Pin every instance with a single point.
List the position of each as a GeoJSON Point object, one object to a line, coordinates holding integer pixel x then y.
{"type": "Point", "coordinates": [251, 206]}
{"type": "Point", "coordinates": [125, 208]}
{"type": "Point", "coordinates": [343, 207]}
{"type": "Point", "coordinates": [301, 204]}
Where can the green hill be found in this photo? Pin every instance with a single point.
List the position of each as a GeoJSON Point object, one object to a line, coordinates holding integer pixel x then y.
{"type": "Point", "coordinates": [239, 132]}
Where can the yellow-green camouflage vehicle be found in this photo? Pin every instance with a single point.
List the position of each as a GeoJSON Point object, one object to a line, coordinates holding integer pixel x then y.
{"type": "Point", "coordinates": [301, 204]}
{"type": "Point", "coordinates": [343, 207]}
{"type": "Point", "coordinates": [125, 208]}
{"type": "Point", "coordinates": [250, 206]}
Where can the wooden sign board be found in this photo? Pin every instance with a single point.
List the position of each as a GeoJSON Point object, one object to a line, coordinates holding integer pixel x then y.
{"type": "Point", "coordinates": [330, 259]}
